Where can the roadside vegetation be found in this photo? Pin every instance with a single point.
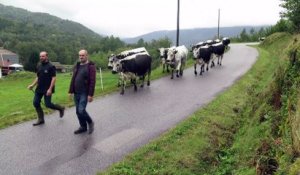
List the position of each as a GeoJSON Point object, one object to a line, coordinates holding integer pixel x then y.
{"type": "Point", "coordinates": [252, 128]}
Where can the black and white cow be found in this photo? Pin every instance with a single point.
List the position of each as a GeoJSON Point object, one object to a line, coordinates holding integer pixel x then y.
{"type": "Point", "coordinates": [226, 42]}
{"type": "Point", "coordinates": [176, 59]}
{"type": "Point", "coordinates": [137, 65]}
{"type": "Point", "coordinates": [163, 54]}
{"type": "Point", "coordinates": [127, 54]}
{"type": "Point", "coordinates": [202, 56]}
{"type": "Point", "coordinates": [218, 50]}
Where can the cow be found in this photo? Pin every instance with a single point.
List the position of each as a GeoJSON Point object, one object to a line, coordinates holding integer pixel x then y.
{"type": "Point", "coordinates": [137, 65]}
{"type": "Point", "coordinates": [202, 56]}
{"type": "Point", "coordinates": [218, 50]}
{"type": "Point", "coordinates": [226, 42]}
{"type": "Point", "coordinates": [198, 45]}
{"type": "Point", "coordinates": [163, 54]}
{"type": "Point", "coordinates": [127, 54]}
{"type": "Point", "coordinates": [176, 59]}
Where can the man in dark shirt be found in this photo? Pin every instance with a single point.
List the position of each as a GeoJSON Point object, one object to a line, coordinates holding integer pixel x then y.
{"type": "Point", "coordinates": [83, 87]}
{"type": "Point", "coordinates": [45, 81]}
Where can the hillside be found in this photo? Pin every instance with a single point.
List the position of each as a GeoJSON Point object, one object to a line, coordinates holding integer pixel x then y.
{"type": "Point", "coordinates": [192, 36]}
{"type": "Point", "coordinates": [44, 19]}
{"type": "Point", "coordinates": [27, 33]}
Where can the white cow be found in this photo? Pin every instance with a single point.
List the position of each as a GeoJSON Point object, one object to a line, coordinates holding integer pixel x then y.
{"type": "Point", "coordinates": [177, 59]}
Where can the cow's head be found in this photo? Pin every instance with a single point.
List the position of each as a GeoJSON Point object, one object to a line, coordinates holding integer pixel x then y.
{"type": "Point", "coordinates": [111, 59]}
{"type": "Point", "coordinates": [116, 66]}
{"type": "Point", "coordinates": [163, 54]}
{"type": "Point", "coordinates": [196, 51]}
{"type": "Point", "coordinates": [171, 57]}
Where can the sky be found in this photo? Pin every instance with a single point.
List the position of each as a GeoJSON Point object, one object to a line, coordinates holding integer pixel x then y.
{"type": "Point", "coordinates": [130, 18]}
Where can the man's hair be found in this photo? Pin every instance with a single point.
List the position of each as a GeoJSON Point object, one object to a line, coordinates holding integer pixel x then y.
{"type": "Point", "coordinates": [45, 52]}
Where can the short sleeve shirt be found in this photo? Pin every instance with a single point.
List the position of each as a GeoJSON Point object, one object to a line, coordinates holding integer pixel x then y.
{"type": "Point", "coordinates": [45, 72]}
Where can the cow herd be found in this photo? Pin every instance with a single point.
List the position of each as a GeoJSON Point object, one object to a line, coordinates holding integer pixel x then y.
{"type": "Point", "coordinates": [136, 63]}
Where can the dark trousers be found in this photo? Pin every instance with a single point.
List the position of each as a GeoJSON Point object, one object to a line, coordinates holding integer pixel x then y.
{"type": "Point", "coordinates": [81, 101]}
{"type": "Point", "coordinates": [47, 99]}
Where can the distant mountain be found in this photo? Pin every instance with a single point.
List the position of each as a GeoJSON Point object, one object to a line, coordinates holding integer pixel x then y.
{"type": "Point", "coordinates": [192, 36]}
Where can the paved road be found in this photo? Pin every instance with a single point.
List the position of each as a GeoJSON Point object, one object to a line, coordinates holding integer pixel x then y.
{"type": "Point", "coordinates": [122, 123]}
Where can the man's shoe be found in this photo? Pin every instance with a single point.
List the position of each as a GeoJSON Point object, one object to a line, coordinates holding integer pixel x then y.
{"type": "Point", "coordinates": [38, 123]}
{"type": "Point", "coordinates": [61, 112]}
{"type": "Point", "coordinates": [91, 128]}
{"type": "Point", "coordinates": [80, 130]}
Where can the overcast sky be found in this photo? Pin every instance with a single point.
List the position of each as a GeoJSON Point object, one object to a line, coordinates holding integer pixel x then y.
{"type": "Point", "coordinates": [128, 18]}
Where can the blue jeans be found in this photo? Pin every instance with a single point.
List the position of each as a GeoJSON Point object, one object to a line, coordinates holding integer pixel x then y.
{"type": "Point", "coordinates": [81, 101]}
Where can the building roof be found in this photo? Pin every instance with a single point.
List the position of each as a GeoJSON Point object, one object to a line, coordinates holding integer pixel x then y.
{"type": "Point", "coordinates": [58, 65]}
{"type": "Point", "coordinates": [6, 52]}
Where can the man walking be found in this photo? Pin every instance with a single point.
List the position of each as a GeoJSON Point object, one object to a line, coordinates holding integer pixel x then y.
{"type": "Point", "coordinates": [45, 81]}
{"type": "Point", "coordinates": [83, 87]}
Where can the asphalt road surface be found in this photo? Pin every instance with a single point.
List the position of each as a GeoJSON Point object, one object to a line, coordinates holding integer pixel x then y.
{"type": "Point", "coordinates": [122, 123]}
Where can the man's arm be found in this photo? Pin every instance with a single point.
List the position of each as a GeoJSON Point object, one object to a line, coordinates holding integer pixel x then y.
{"type": "Point", "coordinates": [33, 83]}
{"type": "Point", "coordinates": [92, 83]}
{"type": "Point", "coordinates": [49, 91]}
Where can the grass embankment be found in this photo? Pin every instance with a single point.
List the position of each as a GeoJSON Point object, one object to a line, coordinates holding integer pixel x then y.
{"type": "Point", "coordinates": [245, 130]}
{"type": "Point", "coordinates": [16, 100]}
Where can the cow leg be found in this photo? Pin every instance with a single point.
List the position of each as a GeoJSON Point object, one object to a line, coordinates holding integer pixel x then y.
{"type": "Point", "coordinates": [143, 80]}
{"type": "Point", "coordinates": [177, 73]}
{"type": "Point", "coordinates": [133, 81]}
{"type": "Point", "coordinates": [195, 68]}
{"type": "Point", "coordinates": [149, 73]}
{"type": "Point", "coordinates": [122, 87]}
{"type": "Point", "coordinates": [178, 68]}
{"type": "Point", "coordinates": [201, 69]}
{"type": "Point", "coordinates": [221, 60]}
{"type": "Point", "coordinates": [212, 64]}
{"type": "Point", "coordinates": [172, 73]}
{"type": "Point", "coordinates": [168, 68]}
{"type": "Point", "coordinates": [164, 66]}
{"type": "Point", "coordinates": [207, 66]}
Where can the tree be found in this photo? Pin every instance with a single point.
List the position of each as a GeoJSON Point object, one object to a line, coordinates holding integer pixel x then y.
{"type": "Point", "coordinates": [292, 12]}
{"type": "Point", "coordinates": [31, 64]}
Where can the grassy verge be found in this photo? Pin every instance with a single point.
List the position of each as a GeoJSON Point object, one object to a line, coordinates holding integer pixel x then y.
{"type": "Point", "coordinates": [244, 130]}
{"type": "Point", "coordinates": [16, 99]}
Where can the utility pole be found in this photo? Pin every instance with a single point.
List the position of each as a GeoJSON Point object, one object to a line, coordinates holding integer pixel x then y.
{"type": "Point", "coordinates": [219, 24]}
{"type": "Point", "coordinates": [178, 9]}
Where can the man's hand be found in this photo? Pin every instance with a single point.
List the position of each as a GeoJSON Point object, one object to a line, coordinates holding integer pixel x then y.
{"type": "Point", "coordinates": [70, 96]}
{"type": "Point", "coordinates": [49, 92]}
{"type": "Point", "coordinates": [90, 98]}
{"type": "Point", "coordinates": [30, 87]}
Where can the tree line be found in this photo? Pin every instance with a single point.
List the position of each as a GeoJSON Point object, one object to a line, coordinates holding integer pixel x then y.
{"type": "Point", "coordinates": [289, 22]}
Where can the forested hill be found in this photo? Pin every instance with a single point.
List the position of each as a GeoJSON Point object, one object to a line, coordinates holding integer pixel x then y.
{"type": "Point", "coordinates": [27, 33]}
{"type": "Point", "coordinates": [44, 19]}
{"type": "Point", "coordinates": [192, 36]}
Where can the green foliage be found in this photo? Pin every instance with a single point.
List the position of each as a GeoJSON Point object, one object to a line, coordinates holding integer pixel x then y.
{"type": "Point", "coordinates": [253, 36]}
{"type": "Point", "coordinates": [292, 12]}
{"type": "Point", "coordinates": [31, 64]}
